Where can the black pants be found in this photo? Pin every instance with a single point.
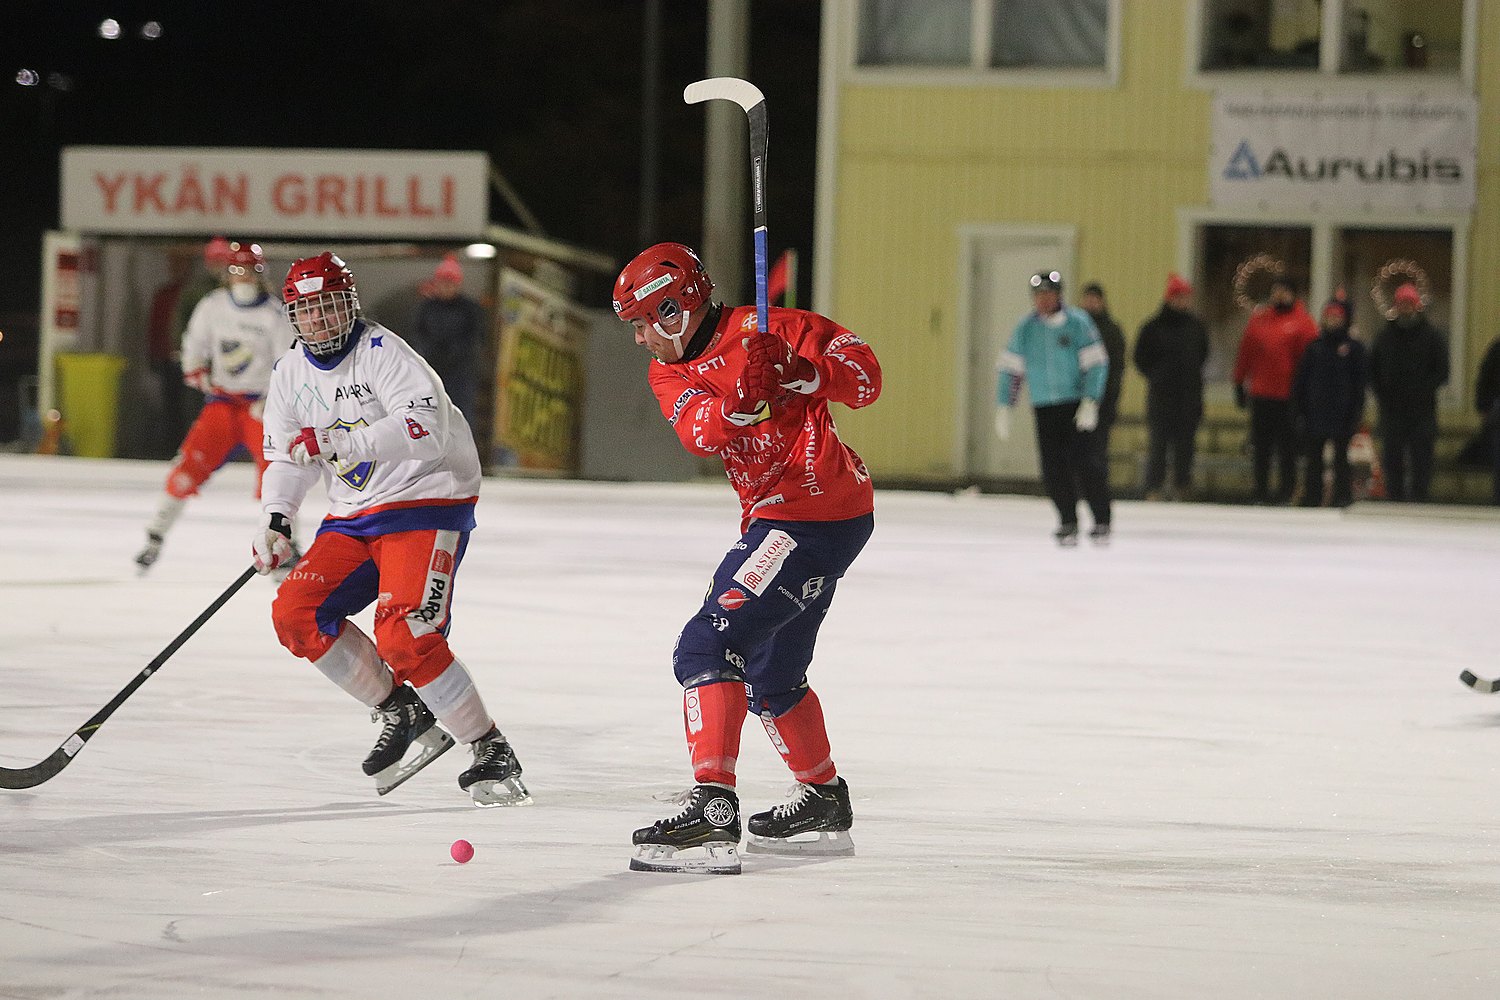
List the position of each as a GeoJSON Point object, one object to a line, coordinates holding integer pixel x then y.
{"type": "Point", "coordinates": [1070, 459]}
{"type": "Point", "coordinates": [1175, 433]}
{"type": "Point", "coordinates": [1343, 478]}
{"type": "Point", "coordinates": [1406, 451]}
{"type": "Point", "coordinates": [1494, 433]}
{"type": "Point", "coordinates": [1272, 433]}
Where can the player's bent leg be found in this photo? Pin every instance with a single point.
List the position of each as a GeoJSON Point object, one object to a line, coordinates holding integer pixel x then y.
{"type": "Point", "coordinates": [494, 778]}
{"type": "Point", "coordinates": [817, 818]}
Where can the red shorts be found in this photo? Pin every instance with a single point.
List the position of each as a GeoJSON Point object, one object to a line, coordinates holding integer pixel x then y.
{"type": "Point", "coordinates": [408, 575]}
{"type": "Point", "coordinates": [219, 428]}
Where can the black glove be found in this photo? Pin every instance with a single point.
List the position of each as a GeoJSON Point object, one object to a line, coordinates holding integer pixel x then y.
{"type": "Point", "coordinates": [1241, 398]}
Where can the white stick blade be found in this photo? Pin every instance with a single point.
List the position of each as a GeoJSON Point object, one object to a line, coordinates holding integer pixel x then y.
{"type": "Point", "coordinates": [729, 88]}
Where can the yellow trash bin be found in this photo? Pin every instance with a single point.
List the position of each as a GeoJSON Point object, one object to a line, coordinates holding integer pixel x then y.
{"type": "Point", "coordinates": [90, 395]}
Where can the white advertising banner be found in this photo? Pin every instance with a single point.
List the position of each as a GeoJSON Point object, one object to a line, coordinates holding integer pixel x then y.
{"type": "Point", "coordinates": [261, 193]}
{"type": "Point", "coordinates": [1392, 151]}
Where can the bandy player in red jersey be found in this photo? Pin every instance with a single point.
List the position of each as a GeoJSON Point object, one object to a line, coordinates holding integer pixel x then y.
{"type": "Point", "coordinates": [759, 401]}
{"type": "Point", "coordinates": [354, 406]}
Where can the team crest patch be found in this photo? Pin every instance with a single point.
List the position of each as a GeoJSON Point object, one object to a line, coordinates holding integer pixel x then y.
{"type": "Point", "coordinates": [732, 598]}
{"type": "Point", "coordinates": [356, 476]}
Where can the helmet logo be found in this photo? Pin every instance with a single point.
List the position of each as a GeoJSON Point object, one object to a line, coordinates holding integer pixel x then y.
{"type": "Point", "coordinates": [652, 286]}
{"type": "Point", "coordinates": [306, 286]}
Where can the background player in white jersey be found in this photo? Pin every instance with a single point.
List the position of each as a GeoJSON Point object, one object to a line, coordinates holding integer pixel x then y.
{"type": "Point", "coordinates": [353, 405]}
{"type": "Point", "coordinates": [234, 336]}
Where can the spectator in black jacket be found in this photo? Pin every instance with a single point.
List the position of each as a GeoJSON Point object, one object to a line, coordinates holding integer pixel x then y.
{"type": "Point", "coordinates": [450, 333]}
{"type": "Point", "coordinates": [1408, 364]}
{"type": "Point", "coordinates": [1092, 301]}
{"type": "Point", "coordinates": [1487, 402]}
{"type": "Point", "coordinates": [1170, 352]}
{"type": "Point", "coordinates": [1328, 395]}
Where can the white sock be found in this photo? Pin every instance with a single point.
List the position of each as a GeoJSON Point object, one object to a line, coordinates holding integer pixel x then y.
{"type": "Point", "coordinates": [352, 664]}
{"type": "Point", "coordinates": [455, 701]}
{"type": "Point", "coordinates": [166, 516]}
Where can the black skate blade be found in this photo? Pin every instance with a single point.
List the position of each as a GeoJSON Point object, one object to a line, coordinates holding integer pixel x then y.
{"type": "Point", "coordinates": [718, 858]}
{"type": "Point", "coordinates": [492, 794]}
{"type": "Point", "coordinates": [823, 844]}
{"type": "Point", "coordinates": [433, 743]}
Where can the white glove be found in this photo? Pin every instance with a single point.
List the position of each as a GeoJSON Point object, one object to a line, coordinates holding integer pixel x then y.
{"type": "Point", "coordinates": [320, 444]}
{"type": "Point", "coordinates": [1087, 417]}
{"type": "Point", "coordinates": [1002, 423]}
{"type": "Point", "coordinates": [272, 545]}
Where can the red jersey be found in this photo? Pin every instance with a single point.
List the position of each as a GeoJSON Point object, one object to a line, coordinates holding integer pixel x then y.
{"type": "Point", "coordinates": [1270, 349]}
{"type": "Point", "coordinates": [791, 465]}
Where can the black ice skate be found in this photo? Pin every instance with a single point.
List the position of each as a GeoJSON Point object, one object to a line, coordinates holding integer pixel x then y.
{"type": "Point", "coordinates": [1099, 535]}
{"type": "Point", "coordinates": [710, 819]}
{"type": "Point", "coordinates": [147, 557]}
{"type": "Point", "coordinates": [405, 720]}
{"type": "Point", "coordinates": [1067, 536]}
{"type": "Point", "coordinates": [815, 822]}
{"type": "Point", "coordinates": [495, 778]}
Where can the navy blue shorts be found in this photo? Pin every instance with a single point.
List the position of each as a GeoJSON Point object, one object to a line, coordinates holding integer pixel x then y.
{"type": "Point", "coordinates": [761, 616]}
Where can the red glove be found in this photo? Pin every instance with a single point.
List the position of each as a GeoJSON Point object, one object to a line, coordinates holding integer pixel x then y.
{"type": "Point", "coordinates": [756, 386]}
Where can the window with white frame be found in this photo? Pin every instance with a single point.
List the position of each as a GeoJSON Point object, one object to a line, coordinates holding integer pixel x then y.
{"type": "Point", "coordinates": [1422, 37]}
{"type": "Point", "coordinates": [985, 35]}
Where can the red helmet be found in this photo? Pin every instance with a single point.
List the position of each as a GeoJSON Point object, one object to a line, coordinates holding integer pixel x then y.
{"type": "Point", "coordinates": [321, 302]}
{"type": "Point", "coordinates": [660, 283]}
{"type": "Point", "coordinates": [216, 252]}
{"type": "Point", "coordinates": [244, 258]}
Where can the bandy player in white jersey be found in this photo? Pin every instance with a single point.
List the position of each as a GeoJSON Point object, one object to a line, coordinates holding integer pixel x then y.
{"type": "Point", "coordinates": [353, 405]}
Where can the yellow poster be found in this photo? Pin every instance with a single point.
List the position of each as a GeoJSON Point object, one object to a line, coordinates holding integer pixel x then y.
{"type": "Point", "coordinates": [539, 381]}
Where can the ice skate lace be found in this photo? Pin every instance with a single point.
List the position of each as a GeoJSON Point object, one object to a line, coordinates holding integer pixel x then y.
{"type": "Point", "coordinates": [799, 793]}
{"type": "Point", "coordinates": [392, 719]}
{"type": "Point", "coordinates": [489, 752]}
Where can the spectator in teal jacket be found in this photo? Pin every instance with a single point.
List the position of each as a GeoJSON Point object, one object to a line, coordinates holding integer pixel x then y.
{"type": "Point", "coordinates": [1057, 353]}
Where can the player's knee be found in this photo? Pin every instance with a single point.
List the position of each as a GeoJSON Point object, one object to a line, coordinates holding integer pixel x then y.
{"type": "Point", "coordinates": [777, 702]}
{"type": "Point", "coordinates": [296, 627]}
{"type": "Point", "coordinates": [186, 476]}
{"type": "Point", "coordinates": [415, 658]}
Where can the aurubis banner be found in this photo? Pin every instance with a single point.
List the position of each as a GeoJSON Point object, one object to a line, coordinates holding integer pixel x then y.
{"type": "Point", "coordinates": [264, 193]}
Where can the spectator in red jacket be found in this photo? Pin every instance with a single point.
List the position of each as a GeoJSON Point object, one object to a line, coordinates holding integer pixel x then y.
{"type": "Point", "coordinates": [1274, 339]}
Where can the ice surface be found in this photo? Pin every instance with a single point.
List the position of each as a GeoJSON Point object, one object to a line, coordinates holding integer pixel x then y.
{"type": "Point", "coordinates": [1228, 757]}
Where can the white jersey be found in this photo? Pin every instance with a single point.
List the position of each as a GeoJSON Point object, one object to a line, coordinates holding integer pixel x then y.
{"type": "Point", "coordinates": [412, 462]}
{"type": "Point", "coordinates": [234, 345]}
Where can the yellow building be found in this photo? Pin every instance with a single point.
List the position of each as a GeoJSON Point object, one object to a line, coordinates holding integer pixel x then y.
{"type": "Point", "coordinates": [964, 144]}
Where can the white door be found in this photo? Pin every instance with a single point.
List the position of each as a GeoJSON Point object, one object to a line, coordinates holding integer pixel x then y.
{"type": "Point", "coordinates": [997, 262]}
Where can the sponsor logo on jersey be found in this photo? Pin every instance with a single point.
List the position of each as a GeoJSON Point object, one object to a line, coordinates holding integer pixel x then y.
{"type": "Point", "coordinates": [719, 624]}
{"type": "Point", "coordinates": [415, 431]}
{"type": "Point", "coordinates": [359, 390]}
{"type": "Point", "coordinates": [732, 598]}
{"type": "Point", "coordinates": [748, 323]}
{"type": "Point", "coordinates": [812, 589]}
{"type": "Point", "coordinates": [735, 660]}
{"type": "Point", "coordinates": [682, 401]}
{"type": "Point", "coordinates": [709, 365]}
{"type": "Point", "coordinates": [757, 571]}
{"type": "Point", "coordinates": [792, 597]}
{"type": "Point", "coordinates": [442, 562]}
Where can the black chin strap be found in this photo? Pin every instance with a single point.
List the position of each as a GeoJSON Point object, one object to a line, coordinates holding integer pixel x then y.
{"type": "Point", "coordinates": [705, 332]}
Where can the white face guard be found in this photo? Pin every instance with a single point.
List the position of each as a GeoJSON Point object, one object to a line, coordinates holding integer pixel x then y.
{"type": "Point", "coordinates": [323, 321]}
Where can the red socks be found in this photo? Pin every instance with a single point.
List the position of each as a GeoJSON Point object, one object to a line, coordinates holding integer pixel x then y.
{"type": "Point", "coordinates": [802, 741]}
{"type": "Point", "coordinates": [712, 717]}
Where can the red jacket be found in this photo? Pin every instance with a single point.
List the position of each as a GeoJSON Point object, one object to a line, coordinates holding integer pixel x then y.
{"type": "Point", "coordinates": [792, 465]}
{"type": "Point", "coordinates": [1270, 349]}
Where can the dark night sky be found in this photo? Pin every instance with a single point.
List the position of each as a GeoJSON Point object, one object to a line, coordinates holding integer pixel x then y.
{"type": "Point", "coordinates": [550, 89]}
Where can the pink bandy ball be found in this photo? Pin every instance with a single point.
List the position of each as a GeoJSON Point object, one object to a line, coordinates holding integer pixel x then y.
{"type": "Point", "coordinates": [462, 851]}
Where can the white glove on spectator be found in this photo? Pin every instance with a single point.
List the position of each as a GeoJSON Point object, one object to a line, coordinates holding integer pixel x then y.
{"type": "Point", "coordinates": [1087, 417]}
{"type": "Point", "coordinates": [272, 545]}
{"type": "Point", "coordinates": [1002, 423]}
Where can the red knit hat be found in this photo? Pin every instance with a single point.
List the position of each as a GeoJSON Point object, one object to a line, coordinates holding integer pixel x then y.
{"type": "Point", "coordinates": [1408, 293]}
{"type": "Point", "coordinates": [1177, 285]}
{"type": "Point", "coordinates": [449, 270]}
